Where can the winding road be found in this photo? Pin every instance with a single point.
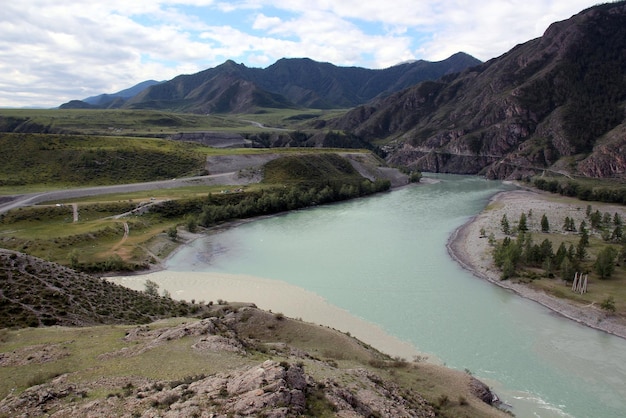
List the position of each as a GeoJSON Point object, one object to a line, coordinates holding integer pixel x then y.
{"type": "Point", "coordinates": [15, 201]}
{"type": "Point", "coordinates": [228, 170]}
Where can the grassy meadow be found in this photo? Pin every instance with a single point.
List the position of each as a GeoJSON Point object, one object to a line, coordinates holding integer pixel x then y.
{"type": "Point", "coordinates": [153, 123]}
{"type": "Point", "coordinates": [48, 161]}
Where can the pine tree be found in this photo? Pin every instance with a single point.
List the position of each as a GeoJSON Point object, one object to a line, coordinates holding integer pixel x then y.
{"type": "Point", "coordinates": [522, 226]}
{"type": "Point", "coordinates": [584, 235]}
{"type": "Point", "coordinates": [151, 288]}
{"type": "Point", "coordinates": [567, 270]}
{"type": "Point", "coordinates": [561, 254]}
{"type": "Point", "coordinates": [545, 225]}
{"type": "Point", "coordinates": [504, 223]}
{"type": "Point", "coordinates": [605, 263]}
{"type": "Point", "coordinates": [581, 250]}
{"type": "Point", "coordinates": [595, 219]}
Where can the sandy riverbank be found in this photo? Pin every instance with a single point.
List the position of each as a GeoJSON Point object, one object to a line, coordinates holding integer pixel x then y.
{"type": "Point", "coordinates": [271, 295]}
{"type": "Point", "coordinates": [473, 252]}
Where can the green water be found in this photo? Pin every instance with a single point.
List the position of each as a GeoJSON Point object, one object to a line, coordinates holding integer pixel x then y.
{"type": "Point", "coordinates": [384, 259]}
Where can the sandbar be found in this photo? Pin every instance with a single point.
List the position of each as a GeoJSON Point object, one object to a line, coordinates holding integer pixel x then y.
{"type": "Point", "coordinates": [275, 296]}
{"type": "Point", "coordinates": [472, 251]}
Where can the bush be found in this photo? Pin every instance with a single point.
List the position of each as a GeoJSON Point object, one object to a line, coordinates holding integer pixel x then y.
{"type": "Point", "coordinates": [608, 304]}
{"type": "Point", "coordinates": [151, 288]}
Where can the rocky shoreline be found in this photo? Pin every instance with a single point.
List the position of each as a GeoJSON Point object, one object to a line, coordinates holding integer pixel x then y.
{"type": "Point", "coordinates": [471, 249]}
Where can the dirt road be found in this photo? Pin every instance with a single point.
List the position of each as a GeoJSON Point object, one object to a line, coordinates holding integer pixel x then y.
{"type": "Point", "coordinates": [227, 170]}
{"type": "Point", "coordinates": [16, 201]}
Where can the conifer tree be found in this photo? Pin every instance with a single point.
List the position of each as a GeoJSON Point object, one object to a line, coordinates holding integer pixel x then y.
{"type": "Point", "coordinates": [605, 263]}
{"type": "Point", "coordinates": [504, 223]}
{"type": "Point", "coordinates": [567, 270]}
{"type": "Point", "coordinates": [522, 226]}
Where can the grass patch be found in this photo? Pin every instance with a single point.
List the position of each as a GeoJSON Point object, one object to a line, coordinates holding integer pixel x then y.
{"type": "Point", "coordinates": [289, 118]}
{"type": "Point", "coordinates": [82, 345]}
{"type": "Point", "coordinates": [67, 160]}
{"type": "Point", "coordinates": [113, 122]}
{"type": "Point", "coordinates": [155, 123]}
{"type": "Point", "coordinates": [310, 169]}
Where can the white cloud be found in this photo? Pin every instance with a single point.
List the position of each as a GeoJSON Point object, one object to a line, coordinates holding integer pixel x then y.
{"type": "Point", "coordinates": [52, 51]}
{"type": "Point", "coordinates": [262, 22]}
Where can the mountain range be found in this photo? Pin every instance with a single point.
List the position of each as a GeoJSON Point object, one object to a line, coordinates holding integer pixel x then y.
{"type": "Point", "coordinates": [109, 100]}
{"type": "Point", "coordinates": [553, 104]}
{"type": "Point", "coordinates": [290, 82]}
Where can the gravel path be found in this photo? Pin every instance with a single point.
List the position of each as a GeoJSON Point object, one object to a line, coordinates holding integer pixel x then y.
{"type": "Point", "coordinates": [16, 201]}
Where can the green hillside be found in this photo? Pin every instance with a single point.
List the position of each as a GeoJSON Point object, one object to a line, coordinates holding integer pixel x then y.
{"type": "Point", "coordinates": [80, 160]}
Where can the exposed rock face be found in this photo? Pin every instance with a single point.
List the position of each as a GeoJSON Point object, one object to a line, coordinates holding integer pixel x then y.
{"type": "Point", "coordinates": [559, 97]}
{"type": "Point", "coordinates": [268, 389]}
{"type": "Point", "coordinates": [369, 396]}
{"type": "Point", "coordinates": [608, 158]}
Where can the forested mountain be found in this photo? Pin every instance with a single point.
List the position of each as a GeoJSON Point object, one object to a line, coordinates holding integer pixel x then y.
{"type": "Point", "coordinates": [293, 82]}
{"type": "Point", "coordinates": [556, 102]}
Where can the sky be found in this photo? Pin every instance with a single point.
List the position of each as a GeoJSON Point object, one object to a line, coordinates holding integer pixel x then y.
{"type": "Point", "coordinates": [54, 51]}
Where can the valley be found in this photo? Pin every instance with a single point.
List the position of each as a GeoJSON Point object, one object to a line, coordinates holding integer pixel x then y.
{"type": "Point", "coordinates": [122, 185]}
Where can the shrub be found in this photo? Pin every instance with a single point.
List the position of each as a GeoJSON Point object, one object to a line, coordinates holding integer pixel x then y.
{"type": "Point", "coordinates": [151, 288]}
{"type": "Point", "coordinates": [608, 304]}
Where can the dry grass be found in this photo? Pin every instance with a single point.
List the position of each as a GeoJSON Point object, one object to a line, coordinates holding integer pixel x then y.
{"type": "Point", "coordinates": [100, 354]}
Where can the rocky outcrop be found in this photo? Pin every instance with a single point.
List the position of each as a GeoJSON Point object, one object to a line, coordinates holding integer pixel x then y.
{"type": "Point", "coordinates": [483, 392]}
{"type": "Point", "coordinates": [270, 389]}
{"type": "Point", "coordinates": [609, 157]}
{"type": "Point", "coordinates": [289, 382]}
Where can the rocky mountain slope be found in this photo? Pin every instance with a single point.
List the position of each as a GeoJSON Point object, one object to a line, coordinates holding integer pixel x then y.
{"type": "Point", "coordinates": [34, 292]}
{"type": "Point", "coordinates": [553, 103]}
{"type": "Point", "coordinates": [235, 360]}
{"type": "Point", "coordinates": [294, 82]}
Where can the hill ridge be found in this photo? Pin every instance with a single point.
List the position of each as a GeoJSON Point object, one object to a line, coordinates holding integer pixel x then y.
{"type": "Point", "coordinates": [289, 82]}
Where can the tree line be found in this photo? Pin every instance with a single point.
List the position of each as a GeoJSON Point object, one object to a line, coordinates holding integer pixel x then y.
{"type": "Point", "coordinates": [515, 253]}
{"type": "Point", "coordinates": [580, 191]}
{"type": "Point", "coordinates": [217, 208]}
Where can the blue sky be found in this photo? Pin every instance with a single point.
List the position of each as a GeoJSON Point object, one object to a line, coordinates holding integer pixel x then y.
{"type": "Point", "coordinates": [52, 51]}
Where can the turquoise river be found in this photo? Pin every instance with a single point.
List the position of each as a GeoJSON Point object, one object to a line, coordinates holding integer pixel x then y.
{"type": "Point", "coordinates": [384, 259]}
